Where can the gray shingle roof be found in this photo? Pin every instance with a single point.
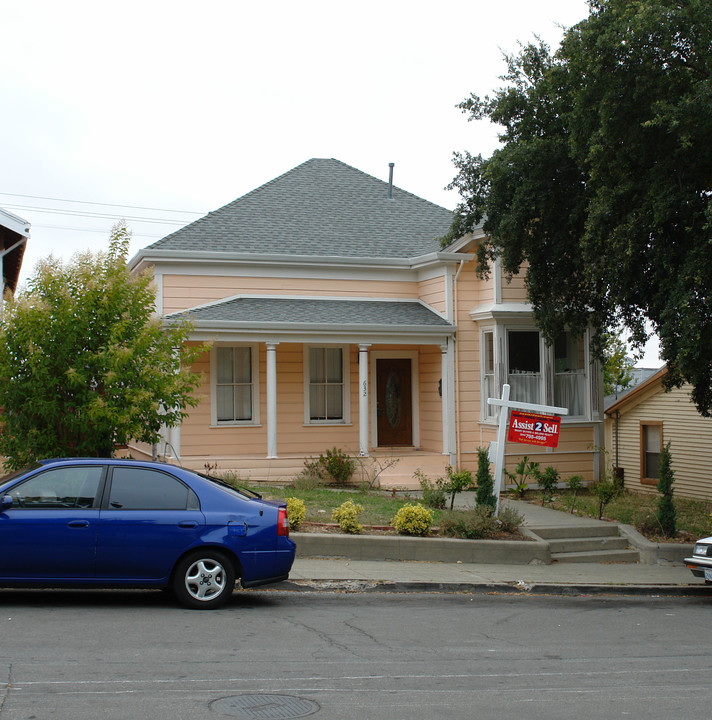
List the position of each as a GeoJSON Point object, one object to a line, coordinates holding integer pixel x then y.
{"type": "Point", "coordinates": [315, 311]}
{"type": "Point", "coordinates": [322, 207]}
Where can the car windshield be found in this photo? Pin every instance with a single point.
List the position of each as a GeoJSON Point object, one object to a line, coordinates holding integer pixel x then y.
{"type": "Point", "coordinates": [242, 492]}
{"type": "Point", "coordinates": [9, 478]}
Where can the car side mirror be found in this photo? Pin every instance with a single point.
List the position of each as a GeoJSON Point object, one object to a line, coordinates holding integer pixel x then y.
{"type": "Point", "coordinates": [5, 502]}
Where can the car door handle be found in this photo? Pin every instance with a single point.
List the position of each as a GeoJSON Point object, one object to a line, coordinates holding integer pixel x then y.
{"type": "Point", "coordinates": [187, 524]}
{"type": "Point", "coordinates": [78, 524]}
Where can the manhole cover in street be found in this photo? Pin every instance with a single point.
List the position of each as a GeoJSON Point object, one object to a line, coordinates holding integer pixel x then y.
{"type": "Point", "coordinates": [266, 707]}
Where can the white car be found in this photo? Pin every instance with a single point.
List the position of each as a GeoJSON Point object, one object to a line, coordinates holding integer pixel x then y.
{"type": "Point", "coordinates": [701, 561]}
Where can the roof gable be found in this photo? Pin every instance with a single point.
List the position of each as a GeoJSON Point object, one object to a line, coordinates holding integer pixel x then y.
{"type": "Point", "coordinates": [322, 207]}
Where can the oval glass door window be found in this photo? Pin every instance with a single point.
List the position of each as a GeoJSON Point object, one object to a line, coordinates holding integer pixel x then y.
{"type": "Point", "coordinates": [394, 400]}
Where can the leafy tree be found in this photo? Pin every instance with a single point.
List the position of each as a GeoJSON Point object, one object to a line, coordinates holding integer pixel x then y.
{"type": "Point", "coordinates": [602, 183]}
{"type": "Point", "coordinates": [616, 364]}
{"type": "Point", "coordinates": [666, 506]}
{"type": "Point", "coordinates": [85, 365]}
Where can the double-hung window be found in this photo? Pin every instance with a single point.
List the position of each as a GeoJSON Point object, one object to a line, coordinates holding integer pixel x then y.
{"type": "Point", "coordinates": [326, 389]}
{"type": "Point", "coordinates": [651, 443]}
{"type": "Point", "coordinates": [489, 389]}
{"type": "Point", "coordinates": [234, 385]}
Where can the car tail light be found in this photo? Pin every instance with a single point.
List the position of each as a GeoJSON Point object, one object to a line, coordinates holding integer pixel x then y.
{"type": "Point", "coordinates": [283, 522]}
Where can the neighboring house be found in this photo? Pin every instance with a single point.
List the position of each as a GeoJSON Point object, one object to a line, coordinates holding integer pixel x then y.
{"type": "Point", "coordinates": [336, 320]}
{"type": "Point", "coordinates": [646, 418]}
{"type": "Point", "coordinates": [14, 232]}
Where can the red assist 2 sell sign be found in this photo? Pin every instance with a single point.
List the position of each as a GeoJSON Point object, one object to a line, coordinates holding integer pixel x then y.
{"type": "Point", "coordinates": [534, 429]}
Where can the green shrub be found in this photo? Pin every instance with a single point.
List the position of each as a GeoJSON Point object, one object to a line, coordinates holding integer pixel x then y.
{"type": "Point", "coordinates": [509, 519]}
{"type": "Point", "coordinates": [485, 483]}
{"type": "Point", "coordinates": [666, 507]}
{"type": "Point", "coordinates": [457, 481]}
{"type": "Point", "coordinates": [548, 483]}
{"type": "Point", "coordinates": [523, 471]}
{"type": "Point", "coordinates": [433, 492]}
{"type": "Point", "coordinates": [310, 478]}
{"type": "Point", "coordinates": [413, 520]}
{"type": "Point", "coordinates": [337, 465]}
{"type": "Point", "coordinates": [574, 484]}
{"type": "Point", "coordinates": [346, 516]}
{"type": "Point", "coordinates": [296, 512]}
{"type": "Point", "coordinates": [469, 524]}
{"type": "Point", "coordinates": [604, 490]}
{"type": "Point", "coordinates": [480, 522]}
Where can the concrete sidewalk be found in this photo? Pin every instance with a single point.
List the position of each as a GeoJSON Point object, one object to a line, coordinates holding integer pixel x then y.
{"type": "Point", "coordinates": [423, 574]}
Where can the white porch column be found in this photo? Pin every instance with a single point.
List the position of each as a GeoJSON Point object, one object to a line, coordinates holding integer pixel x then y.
{"type": "Point", "coordinates": [363, 399]}
{"type": "Point", "coordinates": [174, 441]}
{"type": "Point", "coordinates": [448, 399]}
{"type": "Point", "coordinates": [271, 399]}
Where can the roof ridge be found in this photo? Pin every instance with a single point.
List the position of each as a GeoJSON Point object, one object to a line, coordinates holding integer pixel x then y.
{"type": "Point", "coordinates": [383, 182]}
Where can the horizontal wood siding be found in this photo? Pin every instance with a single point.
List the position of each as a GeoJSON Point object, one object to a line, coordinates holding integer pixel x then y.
{"type": "Point", "coordinates": [432, 292]}
{"type": "Point", "coordinates": [468, 295]}
{"type": "Point", "coordinates": [185, 291]}
{"type": "Point", "coordinates": [689, 434]}
{"type": "Point", "coordinates": [515, 290]}
{"type": "Point", "coordinates": [431, 407]}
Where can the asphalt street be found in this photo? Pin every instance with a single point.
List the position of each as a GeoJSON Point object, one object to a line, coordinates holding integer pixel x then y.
{"type": "Point", "coordinates": [271, 654]}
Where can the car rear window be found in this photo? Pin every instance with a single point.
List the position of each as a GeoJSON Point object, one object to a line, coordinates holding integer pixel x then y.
{"type": "Point", "coordinates": [240, 492]}
{"type": "Point", "coordinates": [135, 488]}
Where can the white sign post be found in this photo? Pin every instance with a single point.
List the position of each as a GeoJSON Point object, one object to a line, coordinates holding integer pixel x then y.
{"type": "Point", "coordinates": [506, 405]}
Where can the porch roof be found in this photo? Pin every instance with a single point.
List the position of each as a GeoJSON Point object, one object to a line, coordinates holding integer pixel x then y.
{"type": "Point", "coordinates": [336, 316]}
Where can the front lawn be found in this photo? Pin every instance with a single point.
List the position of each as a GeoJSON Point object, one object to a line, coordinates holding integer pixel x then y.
{"type": "Point", "coordinates": [378, 507]}
{"type": "Point", "coordinates": [692, 516]}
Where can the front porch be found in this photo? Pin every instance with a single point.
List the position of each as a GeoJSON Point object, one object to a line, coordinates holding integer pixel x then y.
{"type": "Point", "coordinates": [395, 467]}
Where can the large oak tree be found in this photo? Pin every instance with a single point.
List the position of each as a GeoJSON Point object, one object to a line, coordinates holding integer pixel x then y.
{"type": "Point", "coordinates": [603, 180]}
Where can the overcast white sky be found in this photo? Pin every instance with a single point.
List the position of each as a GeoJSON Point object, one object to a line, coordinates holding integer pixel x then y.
{"type": "Point", "coordinates": [178, 107]}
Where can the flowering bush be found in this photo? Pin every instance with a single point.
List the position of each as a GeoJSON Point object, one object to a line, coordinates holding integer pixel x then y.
{"type": "Point", "coordinates": [413, 520]}
{"type": "Point", "coordinates": [296, 511]}
{"type": "Point", "coordinates": [346, 515]}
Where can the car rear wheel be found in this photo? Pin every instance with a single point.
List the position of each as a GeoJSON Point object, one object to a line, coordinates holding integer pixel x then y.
{"type": "Point", "coordinates": [204, 580]}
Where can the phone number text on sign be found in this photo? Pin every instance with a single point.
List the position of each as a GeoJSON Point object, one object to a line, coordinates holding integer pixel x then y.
{"type": "Point", "coordinates": [534, 429]}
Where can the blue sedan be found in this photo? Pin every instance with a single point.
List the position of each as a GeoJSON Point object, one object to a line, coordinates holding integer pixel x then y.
{"type": "Point", "coordinates": [123, 523]}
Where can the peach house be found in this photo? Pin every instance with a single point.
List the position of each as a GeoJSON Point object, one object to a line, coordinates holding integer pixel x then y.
{"type": "Point", "coordinates": [337, 320]}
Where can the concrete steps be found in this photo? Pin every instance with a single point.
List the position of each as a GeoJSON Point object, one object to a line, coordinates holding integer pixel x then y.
{"type": "Point", "coordinates": [600, 543]}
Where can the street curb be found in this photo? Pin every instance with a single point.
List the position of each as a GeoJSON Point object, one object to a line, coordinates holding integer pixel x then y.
{"type": "Point", "coordinates": [495, 588]}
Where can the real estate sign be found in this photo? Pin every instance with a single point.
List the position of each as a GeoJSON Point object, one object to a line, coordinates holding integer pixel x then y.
{"type": "Point", "coordinates": [534, 428]}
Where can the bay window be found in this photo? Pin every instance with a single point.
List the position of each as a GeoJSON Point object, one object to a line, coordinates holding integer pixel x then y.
{"type": "Point", "coordinates": [536, 373]}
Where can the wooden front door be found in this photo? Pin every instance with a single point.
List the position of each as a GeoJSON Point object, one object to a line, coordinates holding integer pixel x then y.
{"type": "Point", "coordinates": [394, 407]}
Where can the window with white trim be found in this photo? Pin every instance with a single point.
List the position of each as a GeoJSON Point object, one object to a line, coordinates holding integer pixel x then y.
{"type": "Point", "coordinates": [524, 366]}
{"type": "Point", "coordinates": [326, 391]}
{"type": "Point", "coordinates": [651, 443]}
{"type": "Point", "coordinates": [489, 389]}
{"type": "Point", "coordinates": [234, 385]}
{"type": "Point", "coordinates": [570, 373]}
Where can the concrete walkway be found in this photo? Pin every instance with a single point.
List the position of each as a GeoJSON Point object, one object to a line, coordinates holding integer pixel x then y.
{"type": "Point", "coordinates": [344, 574]}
